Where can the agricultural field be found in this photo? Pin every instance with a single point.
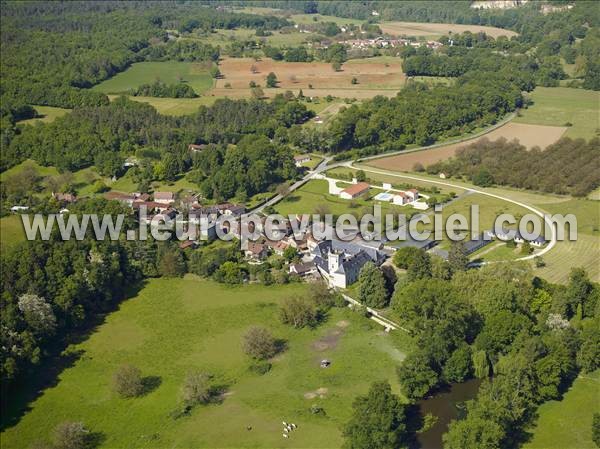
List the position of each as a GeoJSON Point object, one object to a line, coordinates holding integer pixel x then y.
{"type": "Point", "coordinates": [173, 326]}
{"type": "Point", "coordinates": [580, 402]}
{"type": "Point", "coordinates": [374, 78]}
{"type": "Point", "coordinates": [433, 30]}
{"type": "Point", "coordinates": [194, 74]}
{"type": "Point", "coordinates": [527, 135]}
{"type": "Point", "coordinates": [47, 114]}
{"type": "Point", "coordinates": [557, 106]}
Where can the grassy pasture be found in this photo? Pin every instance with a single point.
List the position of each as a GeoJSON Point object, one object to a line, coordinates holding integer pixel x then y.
{"type": "Point", "coordinates": [175, 325]}
{"type": "Point", "coordinates": [47, 115]}
{"type": "Point", "coordinates": [225, 37]}
{"type": "Point", "coordinates": [194, 74]}
{"type": "Point", "coordinates": [567, 424]}
{"type": "Point", "coordinates": [11, 231]}
{"type": "Point", "coordinates": [581, 253]}
{"type": "Point", "coordinates": [556, 106]}
{"type": "Point", "coordinates": [174, 106]}
{"type": "Point", "coordinates": [314, 194]}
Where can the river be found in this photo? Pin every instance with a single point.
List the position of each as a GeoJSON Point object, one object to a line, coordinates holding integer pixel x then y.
{"type": "Point", "coordinates": [444, 405]}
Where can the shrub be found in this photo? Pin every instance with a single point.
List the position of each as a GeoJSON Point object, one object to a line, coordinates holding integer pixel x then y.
{"type": "Point", "coordinates": [259, 343]}
{"type": "Point", "coordinates": [196, 389]}
{"type": "Point", "coordinates": [127, 381]}
{"type": "Point", "coordinates": [299, 312]}
{"type": "Point", "coordinates": [260, 368]}
{"type": "Point", "coordinates": [71, 435]}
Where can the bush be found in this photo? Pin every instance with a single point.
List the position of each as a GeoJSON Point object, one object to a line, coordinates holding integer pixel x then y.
{"type": "Point", "coordinates": [196, 389]}
{"type": "Point", "coordinates": [259, 343]}
{"type": "Point", "coordinates": [71, 435]}
{"type": "Point", "coordinates": [299, 312]}
{"type": "Point", "coordinates": [127, 381]}
{"type": "Point", "coordinates": [260, 368]}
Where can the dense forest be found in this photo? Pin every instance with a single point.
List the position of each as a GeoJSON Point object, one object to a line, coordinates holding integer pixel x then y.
{"type": "Point", "coordinates": [164, 90]}
{"type": "Point", "coordinates": [52, 51]}
{"type": "Point", "coordinates": [565, 167]}
{"type": "Point", "coordinates": [422, 115]}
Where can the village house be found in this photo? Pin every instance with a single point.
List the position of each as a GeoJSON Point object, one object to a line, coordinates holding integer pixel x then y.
{"type": "Point", "coordinates": [64, 197]}
{"type": "Point", "coordinates": [301, 159]}
{"type": "Point", "coordinates": [164, 197]}
{"type": "Point", "coordinates": [303, 269]}
{"type": "Point", "coordinates": [354, 191]}
{"type": "Point", "coordinates": [194, 148]}
{"type": "Point", "coordinates": [256, 251]}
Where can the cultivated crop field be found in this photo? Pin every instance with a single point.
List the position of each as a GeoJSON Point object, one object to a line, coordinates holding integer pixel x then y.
{"type": "Point", "coordinates": [560, 105]}
{"type": "Point", "coordinates": [238, 72]}
{"type": "Point", "coordinates": [439, 29]}
{"type": "Point", "coordinates": [173, 326]}
{"type": "Point", "coordinates": [171, 72]}
{"type": "Point", "coordinates": [527, 135]}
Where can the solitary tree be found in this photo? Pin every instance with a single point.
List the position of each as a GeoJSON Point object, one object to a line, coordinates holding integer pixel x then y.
{"type": "Point", "coordinates": [127, 381]}
{"type": "Point", "coordinates": [377, 420]}
{"type": "Point", "coordinates": [196, 389]}
{"type": "Point", "coordinates": [457, 257]}
{"type": "Point", "coordinates": [299, 312]}
{"type": "Point", "coordinates": [71, 435]}
{"type": "Point", "coordinates": [372, 290]}
{"type": "Point", "coordinates": [259, 343]}
{"type": "Point", "coordinates": [271, 80]}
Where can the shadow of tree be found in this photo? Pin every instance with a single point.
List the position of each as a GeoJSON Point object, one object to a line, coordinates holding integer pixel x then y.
{"type": "Point", "coordinates": [150, 383]}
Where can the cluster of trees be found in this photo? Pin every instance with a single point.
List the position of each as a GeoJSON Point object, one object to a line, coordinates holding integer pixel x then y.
{"type": "Point", "coordinates": [181, 50]}
{"type": "Point", "coordinates": [532, 336]}
{"type": "Point", "coordinates": [525, 70]}
{"type": "Point", "coordinates": [164, 90]}
{"type": "Point", "coordinates": [105, 135]}
{"type": "Point", "coordinates": [565, 167]}
{"type": "Point", "coordinates": [422, 115]}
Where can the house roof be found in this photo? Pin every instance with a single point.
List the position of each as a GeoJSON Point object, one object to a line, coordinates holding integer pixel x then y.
{"type": "Point", "coordinates": [302, 268]}
{"type": "Point", "coordinates": [256, 248]}
{"type": "Point", "coordinates": [187, 244]}
{"type": "Point", "coordinates": [164, 196]}
{"type": "Point", "coordinates": [356, 189]}
{"type": "Point", "coordinates": [119, 196]}
{"type": "Point", "coordinates": [301, 157]}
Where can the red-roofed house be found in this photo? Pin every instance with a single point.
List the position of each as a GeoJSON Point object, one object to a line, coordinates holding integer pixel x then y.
{"type": "Point", "coordinates": [354, 191]}
{"type": "Point", "coordinates": [164, 197]}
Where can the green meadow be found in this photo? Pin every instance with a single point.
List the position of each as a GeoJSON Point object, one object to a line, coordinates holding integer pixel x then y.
{"type": "Point", "coordinates": [313, 197]}
{"type": "Point", "coordinates": [567, 424]}
{"type": "Point", "coordinates": [11, 231]}
{"type": "Point", "coordinates": [170, 72]}
{"type": "Point", "coordinates": [557, 106]}
{"type": "Point", "coordinates": [47, 114]}
{"type": "Point", "coordinates": [173, 326]}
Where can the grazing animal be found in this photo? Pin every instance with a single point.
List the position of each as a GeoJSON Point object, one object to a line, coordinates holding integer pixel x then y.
{"type": "Point", "coordinates": [294, 426]}
{"type": "Point", "coordinates": [284, 423]}
{"type": "Point", "coordinates": [285, 435]}
{"type": "Point", "coordinates": [286, 430]}
{"type": "Point", "coordinates": [289, 427]}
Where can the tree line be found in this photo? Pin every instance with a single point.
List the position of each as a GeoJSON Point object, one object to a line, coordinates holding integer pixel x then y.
{"type": "Point", "coordinates": [164, 90]}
